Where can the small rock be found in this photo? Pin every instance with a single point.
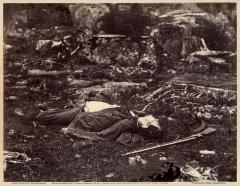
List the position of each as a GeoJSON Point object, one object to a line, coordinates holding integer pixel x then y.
{"type": "Point", "coordinates": [28, 136]}
{"type": "Point", "coordinates": [171, 71]}
{"type": "Point", "coordinates": [110, 175]}
{"type": "Point", "coordinates": [209, 107]}
{"type": "Point", "coordinates": [78, 72]}
{"type": "Point", "coordinates": [232, 110]}
{"type": "Point", "coordinates": [56, 44]}
{"type": "Point", "coordinates": [11, 132]}
{"type": "Point", "coordinates": [201, 109]}
{"type": "Point", "coordinates": [144, 162]}
{"type": "Point", "coordinates": [18, 111]}
{"type": "Point", "coordinates": [4, 166]}
{"type": "Point", "coordinates": [193, 164]}
{"type": "Point", "coordinates": [207, 152]}
{"type": "Point", "coordinates": [43, 44]}
{"type": "Point", "coordinates": [7, 47]}
{"type": "Point", "coordinates": [218, 116]}
{"type": "Point", "coordinates": [77, 156]}
{"type": "Point", "coordinates": [24, 82]}
{"type": "Point", "coordinates": [82, 144]}
{"type": "Point", "coordinates": [207, 115]}
{"type": "Point", "coordinates": [80, 83]}
{"type": "Point", "coordinates": [132, 161]}
{"type": "Point", "coordinates": [28, 33]}
{"type": "Point", "coordinates": [163, 158]}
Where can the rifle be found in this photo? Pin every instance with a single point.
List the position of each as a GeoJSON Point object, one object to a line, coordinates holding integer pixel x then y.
{"type": "Point", "coordinates": [192, 137]}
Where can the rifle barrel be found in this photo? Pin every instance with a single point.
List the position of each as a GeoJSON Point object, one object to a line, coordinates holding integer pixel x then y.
{"type": "Point", "coordinates": [162, 145]}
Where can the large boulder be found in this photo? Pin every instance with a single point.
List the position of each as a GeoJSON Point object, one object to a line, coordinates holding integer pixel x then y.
{"type": "Point", "coordinates": [212, 61]}
{"type": "Point", "coordinates": [125, 52]}
{"type": "Point", "coordinates": [86, 16]}
{"type": "Point", "coordinates": [175, 33]}
{"type": "Point", "coordinates": [113, 92]}
{"type": "Point", "coordinates": [182, 32]}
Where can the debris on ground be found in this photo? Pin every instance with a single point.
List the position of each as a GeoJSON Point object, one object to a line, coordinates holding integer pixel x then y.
{"type": "Point", "coordinates": [136, 160]}
{"type": "Point", "coordinates": [38, 72]}
{"type": "Point", "coordinates": [11, 132]}
{"type": "Point", "coordinates": [77, 155]}
{"type": "Point", "coordinates": [18, 111]}
{"type": "Point", "coordinates": [24, 82]}
{"type": "Point", "coordinates": [110, 175]}
{"type": "Point", "coordinates": [163, 158]}
{"type": "Point", "coordinates": [11, 98]}
{"type": "Point", "coordinates": [192, 171]}
{"type": "Point", "coordinates": [81, 144]}
{"type": "Point", "coordinates": [7, 47]}
{"type": "Point", "coordinates": [15, 157]}
{"type": "Point", "coordinates": [207, 152]}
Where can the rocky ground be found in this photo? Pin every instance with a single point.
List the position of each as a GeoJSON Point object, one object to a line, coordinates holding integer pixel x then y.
{"type": "Point", "coordinates": [39, 76]}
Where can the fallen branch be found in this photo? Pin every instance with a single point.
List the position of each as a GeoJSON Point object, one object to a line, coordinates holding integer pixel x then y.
{"type": "Point", "coordinates": [115, 36]}
{"type": "Point", "coordinates": [154, 101]}
{"type": "Point", "coordinates": [38, 72]}
{"type": "Point", "coordinates": [192, 137]}
{"type": "Point", "coordinates": [17, 87]}
{"type": "Point", "coordinates": [73, 52]}
{"type": "Point", "coordinates": [157, 92]}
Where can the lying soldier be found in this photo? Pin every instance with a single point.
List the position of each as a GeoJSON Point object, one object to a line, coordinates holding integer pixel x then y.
{"type": "Point", "coordinates": [101, 121]}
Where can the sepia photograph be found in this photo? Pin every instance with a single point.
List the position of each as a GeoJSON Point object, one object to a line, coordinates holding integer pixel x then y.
{"type": "Point", "coordinates": [120, 92]}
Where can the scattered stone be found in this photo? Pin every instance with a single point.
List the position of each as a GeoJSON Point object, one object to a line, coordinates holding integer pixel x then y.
{"type": "Point", "coordinates": [136, 160]}
{"type": "Point", "coordinates": [24, 82]}
{"type": "Point", "coordinates": [114, 91]}
{"type": "Point", "coordinates": [7, 47]}
{"type": "Point", "coordinates": [27, 136]}
{"type": "Point", "coordinates": [221, 81]}
{"type": "Point", "coordinates": [110, 175]}
{"type": "Point", "coordinates": [18, 111]}
{"type": "Point", "coordinates": [80, 83]}
{"type": "Point", "coordinates": [28, 33]}
{"type": "Point", "coordinates": [207, 152]}
{"type": "Point", "coordinates": [174, 33]}
{"type": "Point", "coordinates": [15, 157]}
{"type": "Point", "coordinates": [11, 132]}
{"type": "Point", "coordinates": [191, 173]}
{"type": "Point", "coordinates": [78, 72]}
{"type": "Point", "coordinates": [17, 87]}
{"type": "Point", "coordinates": [45, 136]}
{"type": "Point", "coordinates": [81, 144]}
{"type": "Point", "coordinates": [206, 115]}
{"type": "Point", "coordinates": [44, 46]}
{"type": "Point", "coordinates": [211, 61]}
{"type": "Point", "coordinates": [88, 16]}
{"type": "Point", "coordinates": [77, 156]}
{"type": "Point", "coordinates": [163, 158]}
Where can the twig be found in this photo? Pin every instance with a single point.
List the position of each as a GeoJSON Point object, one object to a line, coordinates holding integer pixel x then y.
{"type": "Point", "coordinates": [73, 52]}
{"type": "Point", "coordinates": [115, 36]}
{"type": "Point", "coordinates": [161, 96]}
{"type": "Point", "coordinates": [158, 91]}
